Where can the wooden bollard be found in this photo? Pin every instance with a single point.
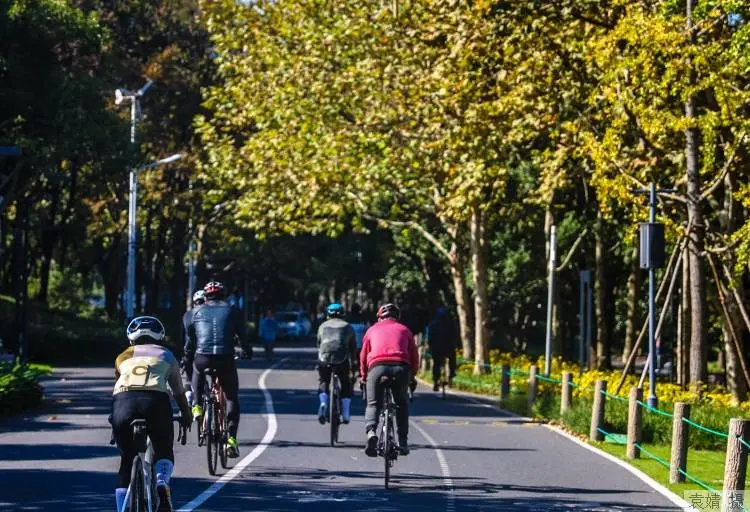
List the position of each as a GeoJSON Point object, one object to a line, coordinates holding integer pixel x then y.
{"type": "Point", "coordinates": [504, 382]}
{"type": "Point", "coordinates": [533, 372]}
{"type": "Point", "coordinates": [680, 431]}
{"type": "Point", "coordinates": [635, 415]}
{"type": "Point", "coordinates": [597, 412]}
{"type": "Point", "coordinates": [566, 398]}
{"type": "Point", "coordinates": [735, 466]}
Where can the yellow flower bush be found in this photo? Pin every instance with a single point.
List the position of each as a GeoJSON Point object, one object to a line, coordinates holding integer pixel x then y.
{"type": "Point", "coordinates": [584, 383]}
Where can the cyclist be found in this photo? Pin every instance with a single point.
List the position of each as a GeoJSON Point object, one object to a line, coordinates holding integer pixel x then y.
{"type": "Point", "coordinates": [442, 343]}
{"type": "Point", "coordinates": [144, 371]}
{"type": "Point", "coordinates": [360, 324]}
{"type": "Point", "coordinates": [199, 297]}
{"type": "Point", "coordinates": [388, 350]}
{"type": "Point", "coordinates": [337, 351]}
{"type": "Point", "coordinates": [211, 337]}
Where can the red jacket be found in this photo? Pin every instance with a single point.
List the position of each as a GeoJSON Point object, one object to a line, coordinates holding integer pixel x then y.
{"type": "Point", "coordinates": [388, 341]}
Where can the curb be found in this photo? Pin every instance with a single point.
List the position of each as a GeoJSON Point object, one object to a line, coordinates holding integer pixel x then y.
{"type": "Point", "coordinates": [474, 397]}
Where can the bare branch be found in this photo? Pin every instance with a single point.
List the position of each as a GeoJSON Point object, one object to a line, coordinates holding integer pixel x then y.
{"type": "Point", "coordinates": [725, 170]}
{"type": "Point", "coordinates": [572, 250]}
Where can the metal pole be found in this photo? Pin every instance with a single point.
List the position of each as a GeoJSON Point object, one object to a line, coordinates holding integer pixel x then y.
{"type": "Point", "coordinates": [652, 400]}
{"type": "Point", "coordinates": [550, 299]}
{"type": "Point", "coordinates": [191, 252]}
{"type": "Point", "coordinates": [130, 302]}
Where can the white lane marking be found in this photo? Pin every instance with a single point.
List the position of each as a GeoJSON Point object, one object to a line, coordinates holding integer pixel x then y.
{"type": "Point", "coordinates": [444, 468]}
{"type": "Point", "coordinates": [257, 451]}
{"type": "Point", "coordinates": [632, 469]}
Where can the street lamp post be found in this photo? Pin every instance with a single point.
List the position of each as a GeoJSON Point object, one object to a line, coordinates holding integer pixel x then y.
{"type": "Point", "coordinates": [133, 97]}
{"type": "Point", "coordinates": [652, 257]}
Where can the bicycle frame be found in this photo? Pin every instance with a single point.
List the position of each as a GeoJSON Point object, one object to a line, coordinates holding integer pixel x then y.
{"type": "Point", "coordinates": [146, 454]}
{"type": "Point", "coordinates": [215, 394]}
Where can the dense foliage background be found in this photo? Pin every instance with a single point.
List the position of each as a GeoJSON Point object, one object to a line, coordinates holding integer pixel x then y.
{"type": "Point", "coordinates": [364, 151]}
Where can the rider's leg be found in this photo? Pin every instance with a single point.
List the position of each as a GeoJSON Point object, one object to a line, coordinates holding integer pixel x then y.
{"type": "Point", "coordinates": [438, 361]}
{"type": "Point", "coordinates": [122, 415]}
{"type": "Point", "coordinates": [344, 372]}
{"type": "Point", "coordinates": [374, 397]}
{"type": "Point", "coordinates": [324, 383]}
{"type": "Point", "coordinates": [452, 365]}
{"type": "Point", "coordinates": [402, 375]}
{"type": "Point", "coordinates": [200, 363]}
{"type": "Point", "coordinates": [161, 433]}
{"type": "Point", "coordinates": [230, 384]}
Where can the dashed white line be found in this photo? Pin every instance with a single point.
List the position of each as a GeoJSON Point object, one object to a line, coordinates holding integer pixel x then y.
{"type": "Point", "coordinates": [257, 451]}
{"type": "Point", "coordinates": [444, 468]}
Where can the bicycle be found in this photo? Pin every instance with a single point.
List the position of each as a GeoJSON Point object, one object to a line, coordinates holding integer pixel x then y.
{"type": "Point", "coordinates": [213, 428]}
{"type": "Point", "coordinates": [334, 411]}
{"type": "Point", "coordinates": [387, 447]}
{"type": "Point", "coordinates": [141, 497]}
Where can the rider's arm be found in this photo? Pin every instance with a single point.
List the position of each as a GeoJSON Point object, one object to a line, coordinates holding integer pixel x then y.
{"type": "Point", "coordinates": [413, 355]}
{"type": "Point", "coordinates": [178, 391]}
{"type": "Point", "coordinates": [363, 356]}
{"type": "Point", "coordinates": [352, 344]}
{"type": "Point", "coordinates": [190, 342]}
{"type": "Point", "coordinates": [241, 330]}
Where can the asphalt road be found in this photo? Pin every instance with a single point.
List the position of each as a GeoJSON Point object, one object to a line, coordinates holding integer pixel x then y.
{"type": "Point", "coordinates": [466, 455]}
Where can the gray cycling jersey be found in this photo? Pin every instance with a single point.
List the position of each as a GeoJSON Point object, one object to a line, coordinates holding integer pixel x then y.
{"type": "Point", "coordinates": [336, 342]}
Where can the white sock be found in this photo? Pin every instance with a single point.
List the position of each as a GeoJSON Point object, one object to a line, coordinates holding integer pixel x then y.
{"type": "Point", "coordinates": [164, 468]}
{"type": "Point", "coordinates": [323, 398]}
{"type": "Point", "coordinates": [345, 405]}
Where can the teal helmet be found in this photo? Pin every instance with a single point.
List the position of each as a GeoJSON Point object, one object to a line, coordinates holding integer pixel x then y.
{"type": "Point", "coordinates": [335, 311]}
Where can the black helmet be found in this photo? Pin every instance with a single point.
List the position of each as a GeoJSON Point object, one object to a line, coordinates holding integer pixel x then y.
{"type": "Point", "coordinates": [145, 329]}
{"type": "Point", "coordinates": [389, 311]}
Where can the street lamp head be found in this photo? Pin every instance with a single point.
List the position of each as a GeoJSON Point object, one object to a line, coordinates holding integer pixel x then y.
{"type": "Point", "coordinates": [170, 159]}
{"type": "Point", "coordinates": [145, 88]}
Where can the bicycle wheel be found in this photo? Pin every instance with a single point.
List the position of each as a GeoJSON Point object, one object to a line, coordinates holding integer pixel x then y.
{"type": "Point", "coordinates": [333, 414]}
{"type": "Point", "coordinates": [387, 445]}
{"type": "Point", "coordinates": [212, 454]}
{"type": "Point", "coordinates": [223, 436]}
{"type": "Point", "coordinates": [138, 501]}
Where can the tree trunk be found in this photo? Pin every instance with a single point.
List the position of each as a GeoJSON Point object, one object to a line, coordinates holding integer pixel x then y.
{"type": "Point", "coordinates": [698, 345]}
{"type": "Point", "coordinates": [110, 269]}
{"type": "Point", "coordinates": [600, 297]}
{"type": "Point", "coordinates": [479, 249]}
{"type": "Point", "coordinates": [461, 292]}
{"type": "Point", "coordinates": [683, 354]}
{"type": "Point", "coordinates": [557, 321]}
{"type": "Point", "coordinates": [50, 234]}
{"type": "Point", "coordinates": [631, 330]}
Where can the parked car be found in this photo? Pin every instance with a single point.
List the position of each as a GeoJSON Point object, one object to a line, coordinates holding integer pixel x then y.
{"type": "Point", "coordinates": [293, 324]}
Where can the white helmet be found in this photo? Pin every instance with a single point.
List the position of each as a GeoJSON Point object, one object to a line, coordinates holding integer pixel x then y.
{"type": "Point", "coordinates": [145, 326]}
{"type": "Point", "coordinates": [199, 297]}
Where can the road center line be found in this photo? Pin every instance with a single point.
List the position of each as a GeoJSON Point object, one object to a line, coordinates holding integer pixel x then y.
{"type": "Point", "coordinates": [250, 457]}
{"type": "Point", "coordinates": [444, 468]}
